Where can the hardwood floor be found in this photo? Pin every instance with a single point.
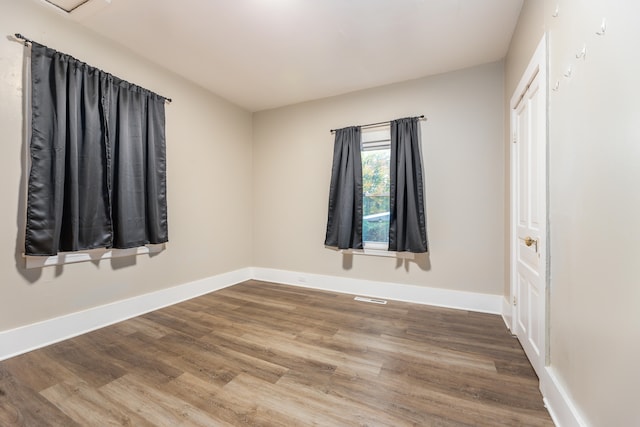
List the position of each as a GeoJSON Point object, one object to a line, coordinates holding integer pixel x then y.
{"type": "Point", "coordinates": [262, 354]}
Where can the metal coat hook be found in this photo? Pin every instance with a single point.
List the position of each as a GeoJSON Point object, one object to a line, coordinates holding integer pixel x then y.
{"type": "Point", "coordinates": [556, 86]}
{"type": "Point", "coordinates": [603, 28]}
{"type": "Point", "coordinates": [556, 12]}
{"type": "Point", "coordinates": [568, 73]}
{"type": "Point", "coordinates": [582, 53]}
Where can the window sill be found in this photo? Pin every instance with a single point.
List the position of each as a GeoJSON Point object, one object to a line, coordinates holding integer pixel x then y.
{"type": "Point", "coordinates": [89, 255]}
{"type": "Point", "coordinates": [383, 252]}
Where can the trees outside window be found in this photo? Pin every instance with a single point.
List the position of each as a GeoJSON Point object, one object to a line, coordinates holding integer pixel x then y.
{"type": "Point", "coordinates": [376, 155]}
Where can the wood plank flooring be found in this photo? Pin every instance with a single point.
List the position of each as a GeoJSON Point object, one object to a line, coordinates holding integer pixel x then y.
{"type": "Point", "coordinates": [261, 354]}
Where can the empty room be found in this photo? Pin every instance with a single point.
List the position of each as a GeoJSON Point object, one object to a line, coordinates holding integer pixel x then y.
{"type": "Point", "coordinates": [331, 213]}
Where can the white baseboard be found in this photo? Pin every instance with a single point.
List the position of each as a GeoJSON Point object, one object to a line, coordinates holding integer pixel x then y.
{"type": "Point", "coordinates": [560, 406]}
{"type": "Point", "coordinates": [507, 312]}
{"type": "Point", "coordinates": [471, 301]}
{"type": "Point", "coordinates": [563, 411]}
{"type": "Point", "coordinates": [30, 337]}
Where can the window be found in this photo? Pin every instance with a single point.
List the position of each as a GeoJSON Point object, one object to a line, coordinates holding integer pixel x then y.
{"type": "Point", "coordinates": [376, 157]}
{"type": "Point", "coordinates": [97, 179]}
{"type": "Point", "coordinates": [368, 212]}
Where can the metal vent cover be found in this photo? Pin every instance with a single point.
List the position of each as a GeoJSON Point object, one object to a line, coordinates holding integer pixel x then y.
{"type": "Point", "coordinates": [371, 300]}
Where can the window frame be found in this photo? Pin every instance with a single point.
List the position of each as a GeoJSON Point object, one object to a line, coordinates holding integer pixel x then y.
{"type": "Point", "coordinates": [375, 138]}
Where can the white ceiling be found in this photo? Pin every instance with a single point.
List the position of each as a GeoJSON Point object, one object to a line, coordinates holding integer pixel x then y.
{"type": "Point", "coordinates": [262, 54]}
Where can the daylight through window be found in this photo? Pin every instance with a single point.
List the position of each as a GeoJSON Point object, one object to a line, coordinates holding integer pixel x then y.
{"type": "Point", "coordinates": [376, 155]}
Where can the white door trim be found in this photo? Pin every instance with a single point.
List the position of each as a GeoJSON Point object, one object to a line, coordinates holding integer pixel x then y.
{"type": "Point", "coordinates": [537, 67]}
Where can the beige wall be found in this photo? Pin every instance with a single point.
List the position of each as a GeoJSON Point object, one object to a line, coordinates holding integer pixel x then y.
{"type": "Point", "coordinates": [209, 181]}
{"type": "Point", "coordinates": [524, 41]}
{"type": "Point", "coordinates": [594, 204]}
{"type": "Point", "coordinates": [463, 158]}
{"type": "Point", "coordinates": [594, 140]}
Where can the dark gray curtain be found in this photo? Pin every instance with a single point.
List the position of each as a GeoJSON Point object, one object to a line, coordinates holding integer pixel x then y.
{"type": "Point", "coordinates": [344, 224]}
{"type": "Point", "coordinates": [407, 223]}
{"type": "Point", "coordinates": [98, 165]}
{"type": "Point", "coordinates": [135, 126]}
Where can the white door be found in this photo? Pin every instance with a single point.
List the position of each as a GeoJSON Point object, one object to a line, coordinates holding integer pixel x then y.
{"type": "Point", "coordinates": [529, 216]}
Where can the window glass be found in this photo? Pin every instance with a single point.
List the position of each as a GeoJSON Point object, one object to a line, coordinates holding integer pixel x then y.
{"type": "Point", "coordinates": [376, 154]}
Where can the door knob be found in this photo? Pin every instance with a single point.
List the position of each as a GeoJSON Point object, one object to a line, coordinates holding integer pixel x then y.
{"type": "Point", "coordinates": [530, 241]}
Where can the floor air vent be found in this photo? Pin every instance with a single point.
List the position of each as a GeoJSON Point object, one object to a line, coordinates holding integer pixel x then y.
{"type": "Point", "coordinates": [371, 300]}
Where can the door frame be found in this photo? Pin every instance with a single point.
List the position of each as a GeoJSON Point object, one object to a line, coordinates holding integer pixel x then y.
{"type": "Point", "coordinates": [537, 67]}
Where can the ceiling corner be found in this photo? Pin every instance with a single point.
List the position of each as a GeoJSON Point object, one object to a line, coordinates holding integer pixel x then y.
{"type": "Point", "coordinates": [78, 9]}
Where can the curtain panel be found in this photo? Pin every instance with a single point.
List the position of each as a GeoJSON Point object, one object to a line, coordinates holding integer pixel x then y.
{"type": "Point", "coordinates": [344, 223]}
{"type": "Point", "coordinates": [98, 160]}
{"type": "Point", "coordinates": [407, 222]}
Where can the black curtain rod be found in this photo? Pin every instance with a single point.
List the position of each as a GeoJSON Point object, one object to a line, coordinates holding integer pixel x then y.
{"type": "Point", "coordinates": [368, 125]}
{"type": "Point", "coordinates": [26, 40]}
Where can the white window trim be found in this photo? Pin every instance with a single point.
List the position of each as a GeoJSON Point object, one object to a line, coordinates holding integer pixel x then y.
{"type": "Point", "coordinates": [376, 246]}
{"type": "Point", "coordinates": [88, 255]}
{"type": "Point", "coordinates": [378, 250]}
{"type": "Point", "coordinates": [374, 139]}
